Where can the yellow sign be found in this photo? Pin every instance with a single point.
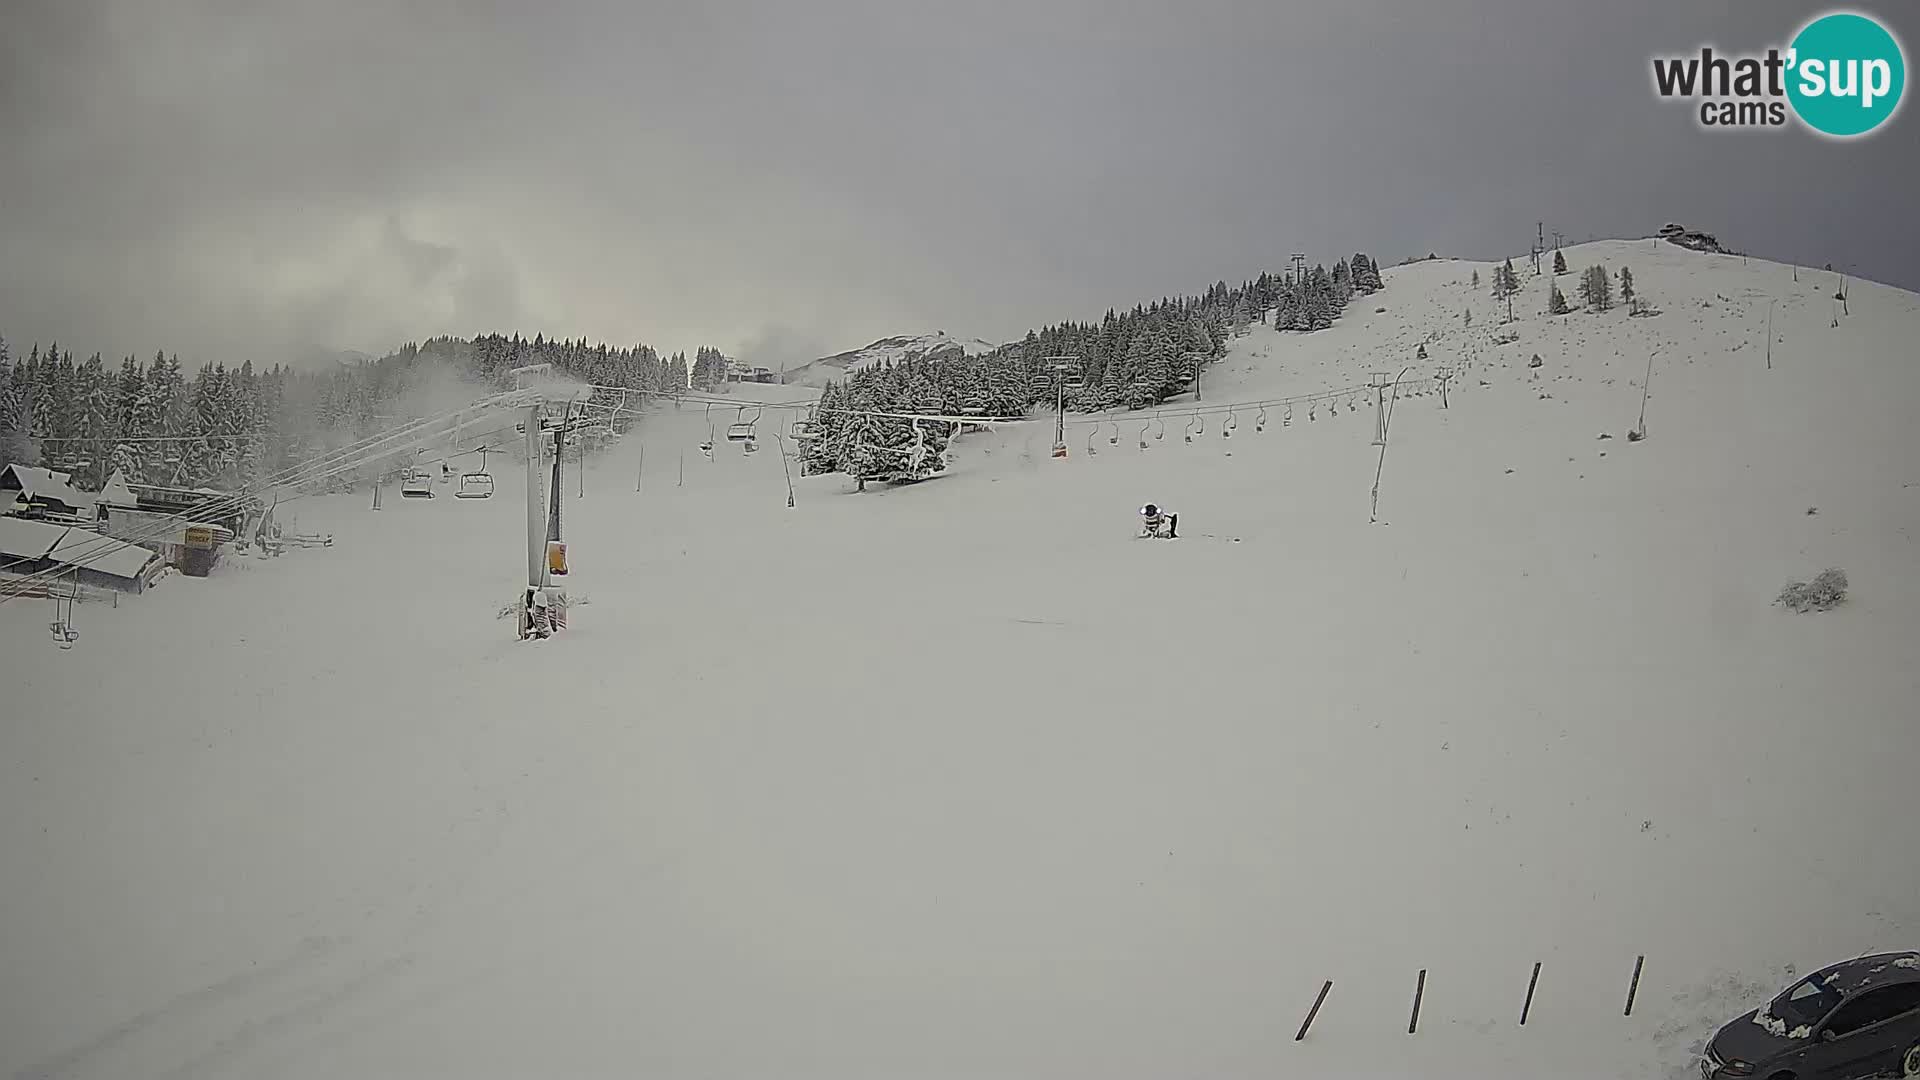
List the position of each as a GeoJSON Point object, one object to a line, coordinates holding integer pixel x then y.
{"type": "Point", "coordinates": [199, 536]}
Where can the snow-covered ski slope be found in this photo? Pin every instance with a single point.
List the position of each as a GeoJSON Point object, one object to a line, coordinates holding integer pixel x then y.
{"type": "Point", "coordinates": [961, 779]}
{"type": "Point", "coordinates": [898, 348]}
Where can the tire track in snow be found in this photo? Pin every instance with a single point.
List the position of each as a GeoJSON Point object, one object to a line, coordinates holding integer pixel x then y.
{"type": "Point", "coordinates": [241, 984]}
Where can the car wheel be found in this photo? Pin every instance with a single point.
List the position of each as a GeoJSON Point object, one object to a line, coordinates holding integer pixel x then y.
{"type": "Point", "coordinates": [1910, 1062]}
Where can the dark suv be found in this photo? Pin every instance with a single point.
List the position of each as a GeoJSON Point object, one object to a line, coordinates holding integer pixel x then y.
{"type": "Point", "coordinates": [1851, 1021]}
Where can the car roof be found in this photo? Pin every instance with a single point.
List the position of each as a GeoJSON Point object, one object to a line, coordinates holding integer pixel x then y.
{"type": "Point", "coordinates": [1870, 972]}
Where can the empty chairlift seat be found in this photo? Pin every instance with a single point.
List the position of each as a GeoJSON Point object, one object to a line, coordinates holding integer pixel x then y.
{"type": "Point", "coordinates": [475, 485]}
{"type": "Point", "coordinates": [416, 485]}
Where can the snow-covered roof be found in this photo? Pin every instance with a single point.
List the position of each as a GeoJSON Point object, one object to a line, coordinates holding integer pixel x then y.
{"type": "Point", "coordinates": [23, 539]}
{"type": "Point", "coordinates": [115, 491]}
{"type": "Point", "coordinates": [102, 553]}
{"type": "Point", "coordinates": [47, 484]}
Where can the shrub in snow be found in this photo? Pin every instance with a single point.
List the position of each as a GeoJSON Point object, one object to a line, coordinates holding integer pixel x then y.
{"type": "Point", "coordinates": [1821, 594]}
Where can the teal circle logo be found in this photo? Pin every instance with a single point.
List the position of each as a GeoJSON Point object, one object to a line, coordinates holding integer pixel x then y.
{"type": "Point", "coordinates": [1847, 75]}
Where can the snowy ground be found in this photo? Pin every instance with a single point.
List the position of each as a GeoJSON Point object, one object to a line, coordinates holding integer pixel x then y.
{"type": "Point", "coordinates": [960, 779]}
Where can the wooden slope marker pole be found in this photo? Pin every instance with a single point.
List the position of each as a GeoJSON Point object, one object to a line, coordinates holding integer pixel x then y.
{"type": "Point", "coordinates": [1633, 988]}
{"type": "Point", "coordinates": [1419, 991]}
{"type": "Point", "coordinates": [1313, 1012]}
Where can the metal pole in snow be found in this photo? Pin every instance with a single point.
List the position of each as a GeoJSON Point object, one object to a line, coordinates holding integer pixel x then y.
{"type": "Point", "coordinates": [1644, 385]}
{"type": "Point", "coordinates": [1634, 988]}
{"type": "Point", "coordinates": [536, 504]}
{"type": "Point", "coordinates": [1419, 991]}
{"type": "Point", "coordinates": [642, 470]}
{"type": "Point", "coordinates": [1313, 1012]}
{"type": "Point", "coordinates": [1770, 334]}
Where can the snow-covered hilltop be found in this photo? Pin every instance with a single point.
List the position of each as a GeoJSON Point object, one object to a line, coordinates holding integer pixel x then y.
{"type": "Point", "coordinates": [937, 345]}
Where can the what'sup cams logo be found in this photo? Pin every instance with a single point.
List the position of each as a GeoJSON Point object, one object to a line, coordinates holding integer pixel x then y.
{"type": "Point", "coordinates": [1842, 75]}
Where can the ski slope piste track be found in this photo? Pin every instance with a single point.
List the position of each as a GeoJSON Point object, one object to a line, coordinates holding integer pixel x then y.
{"type": "Point", "coordinates": [956, 778]}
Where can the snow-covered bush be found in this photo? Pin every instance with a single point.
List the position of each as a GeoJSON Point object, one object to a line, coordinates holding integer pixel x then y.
{"type": "Point", "coordinates": [1821, 594]}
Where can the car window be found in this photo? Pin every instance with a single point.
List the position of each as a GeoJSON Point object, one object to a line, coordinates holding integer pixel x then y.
{"type": "Point", "coordinates": [1806, 1003]}
{"type": "Point", "coordinates": [1875, 1006]}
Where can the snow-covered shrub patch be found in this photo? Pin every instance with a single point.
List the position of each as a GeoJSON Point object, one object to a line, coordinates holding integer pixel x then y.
{"type": "Point", "coordinates": [1821, 594]}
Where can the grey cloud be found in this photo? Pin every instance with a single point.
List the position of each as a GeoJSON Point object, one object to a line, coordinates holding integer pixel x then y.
{"type": "Point", "coordinates": [766, 176]}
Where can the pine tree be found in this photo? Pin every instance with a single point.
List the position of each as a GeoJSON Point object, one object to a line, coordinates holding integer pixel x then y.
{"type": "Point", "coordinates": [99, 423]}
{"type": "Point", "coordinates": [1596, 289]}
{"type": "Point", "coordinates": [1242, 313]}
{"type": "Point", "coordinates": [1366, 274]}
{"type": "Point", "coordinates": [1466, 317]}
{"type": "Point", "coordinates": [1321, 307]}
{"type": "Point", "coordinates": [1556, 303]}
{"type": "Point", "coordinates": [14, 444]}
{"type": "Point", "coordinates": [1626, 285]}
{"type": "Point", "coordinates": [1559, 262]}
{"type": "Point", "coordinates": [1476, 278]}
{"type": "Point", "coordinates": [1505, 281]}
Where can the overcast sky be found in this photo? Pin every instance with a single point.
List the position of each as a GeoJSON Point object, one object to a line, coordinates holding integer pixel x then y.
{"type": "Point", "coordinates": [785, 179]}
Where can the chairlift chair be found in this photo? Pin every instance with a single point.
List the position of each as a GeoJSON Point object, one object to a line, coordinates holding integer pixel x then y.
{"type": "Point", "coordinates": [741, 430]}
{"type": "Point", "coordinates": [416, 484]}
{"type": "Point", "coordinates": [478, 484]}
